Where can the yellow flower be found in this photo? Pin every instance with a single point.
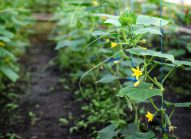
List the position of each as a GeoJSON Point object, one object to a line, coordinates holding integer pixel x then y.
{"type": "Point", "coordinates": [136, 72]}
{"type": "Point", "coordinates": [113, 44]}
{"type": "Point", "coordinates": [2, 44]}
{"type": "Point", "coordinates": [171, 128]}
{"type": "Point", "coordinates": [149, 116]}
{"type": "Point", "coordinates": [137, 83]}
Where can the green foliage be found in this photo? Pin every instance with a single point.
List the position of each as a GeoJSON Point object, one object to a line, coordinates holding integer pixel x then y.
{"type": "Point", "coordinates": [63, 122]}
{"type": "Point", "coordinates": [140, 93]}
{"type": "Point", "coordinates": [83, 36]}
{"type": "Point", "coordinates": [127, 19]}
{"type": "Point", "coordinates": [14, 21]}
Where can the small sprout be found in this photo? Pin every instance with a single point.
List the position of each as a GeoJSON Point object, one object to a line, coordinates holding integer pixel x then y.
{"type": "Point", "coordinates": [33, 118]}
{"type": "Point", "coordinates": [63, 122]}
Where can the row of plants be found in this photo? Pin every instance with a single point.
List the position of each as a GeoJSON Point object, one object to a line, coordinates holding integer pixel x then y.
{"type": "Point", "coordinates": [14, 19]}
{"type": "Point", "coordinates": [106, 48]}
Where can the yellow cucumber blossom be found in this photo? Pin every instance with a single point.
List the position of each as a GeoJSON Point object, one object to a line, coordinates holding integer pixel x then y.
{"type": "Point", "coordinates": [137, 83]}
{"type": "Point", "coordinates": [149, 116]}
{"type": "Point", "coordinates": [113, 44]}
{"type": "Point", "coordinates": [136, 72]}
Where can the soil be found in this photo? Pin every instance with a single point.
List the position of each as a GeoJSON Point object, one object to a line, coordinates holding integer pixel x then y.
{"type": "Point", "coordinates": [182, 116]}
{"type": "Point", "coordinates": [46, 98]}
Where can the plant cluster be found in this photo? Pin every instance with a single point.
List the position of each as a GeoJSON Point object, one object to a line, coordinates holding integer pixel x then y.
{"type": "Point", "coordinates": [120, 73]}
{"type": "Point", "coordinates": [13, 41]}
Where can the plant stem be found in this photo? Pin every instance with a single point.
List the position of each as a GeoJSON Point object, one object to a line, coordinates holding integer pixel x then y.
{"type": "Point", "coordinates": [152, 102]}
{"type": "Point", "coordinates": [172, 112]}
{"type": "Point", "coordinates": [167, 75]}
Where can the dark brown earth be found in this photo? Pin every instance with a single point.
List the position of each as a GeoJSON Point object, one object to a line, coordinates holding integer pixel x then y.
{"type": "Point", "coordinates": [182, 116]}
{"type": "Point", "coordinates": [46, 97]}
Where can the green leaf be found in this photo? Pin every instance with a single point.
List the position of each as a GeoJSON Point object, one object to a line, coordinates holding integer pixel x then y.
{"type": "Point", "coordinates": [131, 133]}
{"type": "Point", "coordinates": [140, 93]}
{"type": "Point", "coordinates": [177, 52]}
{"type": "Point", "coordinates": [179, 105]}
{"type": "Point", "coordinates": [7, 71]}
{"type": "Point", "coordinates": [108, 132]}
{"type": "Point", "coordinates": [99, 33]}
{"type": "Point", "coordinates": [127, 18]}
{"type": "Point", "coordinates": [114, 22]}
{"type": "Point", "coordinates": [139, 135]}
{"type": "Point", "coordinates": [6, 33]}
{"type": "Point", "coordinates": [180, 63]}
{"type": "Point", "coordinates": [5, 39]}
{"type": "Point", "coordinates": [70, 43]}
{"type": "Point", "coordinates": [188, 47]}
{"type": "Point", "coordinates": [107, 78]}
{"type": "Point", "coordinates": [107, 16]}
{"type": "Point", "coordinates": [4, 53]}
{"type": "Point", "coordinates": [142, 52]}
{"type": "Point", "coordinates": [148, 30]}
{"type": "Point", "coordinates": [151, 21]}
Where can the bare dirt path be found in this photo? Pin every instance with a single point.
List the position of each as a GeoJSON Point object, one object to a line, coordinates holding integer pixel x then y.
{"type": "Point", "coordinates": [45, 101]}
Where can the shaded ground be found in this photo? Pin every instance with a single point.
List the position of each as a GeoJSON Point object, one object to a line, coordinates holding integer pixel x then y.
{"type": "Point", "coordinates": [45, 100]}
{"type": "Point", "coordinates": [182, 116]}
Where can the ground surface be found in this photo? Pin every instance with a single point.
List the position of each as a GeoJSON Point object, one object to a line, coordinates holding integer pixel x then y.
{"type": "Point", "coordinates": [182, 116]}
{"type": "Point", "coordinates": [45, 98]}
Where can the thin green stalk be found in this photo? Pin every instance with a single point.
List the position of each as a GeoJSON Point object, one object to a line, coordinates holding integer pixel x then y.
{"type": "Point", "coordinates": [172, 112]}
{"type": "Point", "coordinates": [168, 74]}
{"type": "Point", "coordinates": [154, 81]}
{"type": "Point", "coordinates": [152, 102]}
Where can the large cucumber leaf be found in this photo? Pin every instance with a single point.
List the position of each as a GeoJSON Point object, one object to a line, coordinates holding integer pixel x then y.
{"type": "Point", "coordinates": [140, 93]}
{"type": "Point", "coordinates": [180, 63]}
{"type": "Point", "coordinates": [107, 78]}
{"type": "Point", "coordinates": [148, 30]}
{"type": "Point", "coordinates": [8, 72]}
{"type": "Point", "coordinates": [179, 105]}
{"type": "Point", "coordinates": [151, 21]}
{"type": "Point", "coordinates": [142, 52]}
{"type": "Point", "coordinates": [108, 132]}
{"type": "Point", "coordinates": [114, 22]}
